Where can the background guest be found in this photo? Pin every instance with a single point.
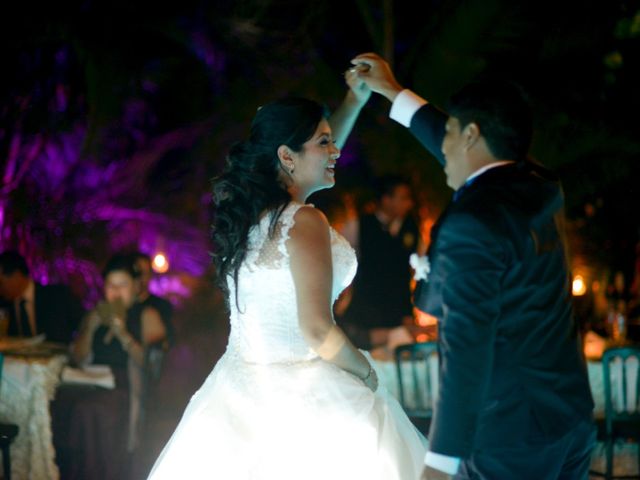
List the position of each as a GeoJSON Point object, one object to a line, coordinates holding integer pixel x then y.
{"type": "Point", "coordinates": [633, 309]}
{"type": "Point", "coordinates": [384, 240]}
{"type": "Point", "coordinates": [90, 423]}
{"type": "Point", "coordinates": [34, 308]}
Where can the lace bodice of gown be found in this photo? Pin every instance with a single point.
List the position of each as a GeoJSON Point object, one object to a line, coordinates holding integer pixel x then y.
{"type": "Point", "coordinates": [264, 329]}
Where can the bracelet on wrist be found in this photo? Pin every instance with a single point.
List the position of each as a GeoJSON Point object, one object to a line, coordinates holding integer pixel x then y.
{"type": "Point", "coordinates": [366, 377]}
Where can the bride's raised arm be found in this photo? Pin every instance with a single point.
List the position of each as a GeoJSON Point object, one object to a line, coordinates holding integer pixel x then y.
{"type": "Point", "coordinates": [344, 117]}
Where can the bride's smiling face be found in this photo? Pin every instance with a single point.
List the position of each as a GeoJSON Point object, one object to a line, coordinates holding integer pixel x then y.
{"type": "Point", "coordinates": [314, 165]}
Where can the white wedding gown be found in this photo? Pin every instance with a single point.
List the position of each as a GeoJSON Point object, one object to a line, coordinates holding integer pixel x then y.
{"type": "Point", "coordinates": [271, 409]}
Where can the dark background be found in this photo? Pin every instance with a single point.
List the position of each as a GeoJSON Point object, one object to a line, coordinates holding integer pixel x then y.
{"type": "Point", "coordinates": [115, 115]}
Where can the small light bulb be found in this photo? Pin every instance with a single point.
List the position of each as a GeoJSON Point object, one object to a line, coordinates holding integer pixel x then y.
{"type": "Point", "coordinates": [579, 286]}
{"type": "Point", "coordinates": [160, 263]}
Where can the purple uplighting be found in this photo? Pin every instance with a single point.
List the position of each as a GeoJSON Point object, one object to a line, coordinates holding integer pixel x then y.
{"type": "Point", "coordinates": [83, 209]}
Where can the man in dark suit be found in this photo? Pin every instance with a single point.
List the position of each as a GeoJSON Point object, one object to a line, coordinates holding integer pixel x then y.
{"type": "Point", "coordinates": [34, 308]}
{"type": "Point", "coordinates": [384, 239]}
{"type": "Point", "coordinates": [514, 400]}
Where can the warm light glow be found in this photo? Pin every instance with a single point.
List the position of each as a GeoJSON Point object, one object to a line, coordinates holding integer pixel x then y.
{"type": "Point", "coordinates": [423, 337]}
{"type": "Point", "coordinates": [579, 286]}
{"type": "Point", "coordinates": [160, 264]}
{"type": "Point", "coordinates": [594, 345]}
{"type": "Point", "coordinates": [424, 319]}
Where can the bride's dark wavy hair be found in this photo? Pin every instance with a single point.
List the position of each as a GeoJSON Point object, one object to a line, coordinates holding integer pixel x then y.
{"type": "Point", "coordinates": [251, 182]}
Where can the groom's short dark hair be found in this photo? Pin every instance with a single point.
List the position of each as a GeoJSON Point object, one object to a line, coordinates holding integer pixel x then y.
{"type": "Point", "coordinates": [501, 111]}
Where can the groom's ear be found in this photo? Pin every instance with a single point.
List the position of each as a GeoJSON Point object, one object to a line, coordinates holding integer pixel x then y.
{"type": "Point", "coordinates": [471, 135]}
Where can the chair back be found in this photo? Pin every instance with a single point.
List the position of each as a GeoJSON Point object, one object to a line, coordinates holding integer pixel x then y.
{"type": "Point", "coordinates": [621, 375]}
{"type": "Point", "coordinates": [416, 364]}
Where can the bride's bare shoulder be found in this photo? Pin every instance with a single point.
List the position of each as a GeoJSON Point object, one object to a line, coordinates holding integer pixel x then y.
{"type": "Point", "coordinates": [308, 214]}
{"type": "Point", "coordinates": [310, 226]}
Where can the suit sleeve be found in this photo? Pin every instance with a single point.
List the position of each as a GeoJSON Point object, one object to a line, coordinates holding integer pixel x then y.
{"type": "Point", "coordinates": [472, 261]}
{"type": "Point", "coordinates": [425, 121]}
{"type": "Point", "coordinates": [427, 125]}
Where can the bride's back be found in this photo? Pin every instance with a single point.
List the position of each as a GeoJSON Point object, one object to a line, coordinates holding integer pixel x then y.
{"type": "Point", "coordinates": [264, 320]}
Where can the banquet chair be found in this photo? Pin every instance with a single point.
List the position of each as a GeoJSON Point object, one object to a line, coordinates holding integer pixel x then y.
{"type": "Point", "coordinates": [417, 393]}
{"type": "Point", "coordinates": [8, 433]}
{"type": "Point", "coordinates": [621, 376]}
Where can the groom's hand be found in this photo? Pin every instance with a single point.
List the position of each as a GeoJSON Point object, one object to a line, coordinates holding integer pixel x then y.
{"type": "Point", "coordinates": [378, 76]}
{"type": "Point", "coordinates": [432, 474]}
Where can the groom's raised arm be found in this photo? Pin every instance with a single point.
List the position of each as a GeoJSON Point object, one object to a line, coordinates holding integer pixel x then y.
{"type": "Point", "coordinates": [425, 121]}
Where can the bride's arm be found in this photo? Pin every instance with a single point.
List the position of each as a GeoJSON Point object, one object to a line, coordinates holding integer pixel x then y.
{"type": "Point", "coordinates": [309, 248]}
{"type": "Point", "coordinates": [344, 117]}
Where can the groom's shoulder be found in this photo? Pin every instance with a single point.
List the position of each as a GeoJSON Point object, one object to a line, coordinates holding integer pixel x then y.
{"type": "Point", "coordinates": [489, 211]}
{"type": "Point", "coordinates": [475, 220]}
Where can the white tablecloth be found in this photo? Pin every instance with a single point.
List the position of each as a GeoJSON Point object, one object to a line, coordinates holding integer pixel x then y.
{"type": "Point", "coordinates": [26, 389]}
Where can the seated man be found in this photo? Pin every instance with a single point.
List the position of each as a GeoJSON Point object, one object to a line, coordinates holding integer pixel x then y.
{"type": "Point", "coordinates": [34, 308]}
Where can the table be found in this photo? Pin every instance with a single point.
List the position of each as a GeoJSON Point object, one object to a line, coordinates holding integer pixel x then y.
{"type": "Point", "coordinates": [28, 384]}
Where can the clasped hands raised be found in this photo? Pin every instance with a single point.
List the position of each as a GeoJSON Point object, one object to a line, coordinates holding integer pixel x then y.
{"type": "Point", "coordinates": [370, 72]}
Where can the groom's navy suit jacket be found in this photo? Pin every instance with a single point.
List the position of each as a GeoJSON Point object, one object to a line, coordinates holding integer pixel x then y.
{"type": "Point", "coordinates": [511, 369]}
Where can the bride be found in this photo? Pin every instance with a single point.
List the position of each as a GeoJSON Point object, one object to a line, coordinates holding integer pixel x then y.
{"type": "Point", "coordinates": [291, 398]}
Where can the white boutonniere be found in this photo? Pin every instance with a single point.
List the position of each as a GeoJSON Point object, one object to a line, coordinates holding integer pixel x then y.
{"type": "Point", "coordinates": [421, 266]}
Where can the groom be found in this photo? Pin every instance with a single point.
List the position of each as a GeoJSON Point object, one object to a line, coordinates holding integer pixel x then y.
{"type": "Point", "coordinates": [514, 399]}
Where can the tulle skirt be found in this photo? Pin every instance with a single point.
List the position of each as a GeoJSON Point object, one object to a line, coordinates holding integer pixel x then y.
{"type": "Point", "coordinates": [306, 420]}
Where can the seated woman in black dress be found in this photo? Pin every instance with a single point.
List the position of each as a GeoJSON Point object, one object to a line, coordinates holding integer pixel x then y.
{"type": "Point", "coordinates": [91, 424]}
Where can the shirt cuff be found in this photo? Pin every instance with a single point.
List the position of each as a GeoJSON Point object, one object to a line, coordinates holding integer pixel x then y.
{"type": "Point", "coordinates": [404, 106]}
{"type": "Point", "coordinates": [444, 463]}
